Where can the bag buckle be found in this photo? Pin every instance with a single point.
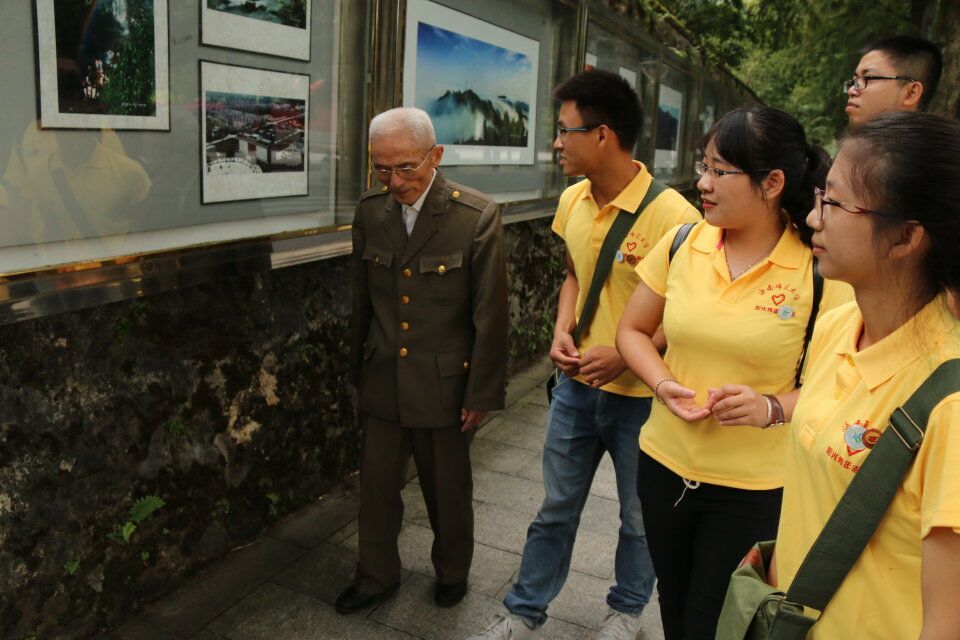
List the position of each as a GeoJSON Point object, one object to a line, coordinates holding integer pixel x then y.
{"type": "Point", "coordinates": [903, 436]}
{"type": "Point", "coordinates": [782, 601]}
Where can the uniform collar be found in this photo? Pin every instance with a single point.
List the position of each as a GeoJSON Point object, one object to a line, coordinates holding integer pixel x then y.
{"type": "Point", "coordinates": [418, 205]}
{"type": "Point", "coordinates": [921, 335]}
{"type": "Point", "coordinates": [788, 252]}
{"type": "Point", "coordinates": [632, 195]}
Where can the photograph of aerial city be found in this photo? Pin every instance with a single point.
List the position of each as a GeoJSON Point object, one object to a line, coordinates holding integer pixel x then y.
{"type": "Point", "coordinates": [253, 134]}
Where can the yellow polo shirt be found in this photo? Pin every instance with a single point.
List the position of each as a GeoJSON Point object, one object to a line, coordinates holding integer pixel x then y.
{"type": "Point", "coordinates": [845, 405]}
{"type": "Point", "coordinates": [583, 226]}
{"type": "Point", "coordinates": [749, 331]}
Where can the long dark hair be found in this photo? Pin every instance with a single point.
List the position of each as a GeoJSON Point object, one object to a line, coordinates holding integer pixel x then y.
{"type": "Point", "coordinates": [907, 165]}
{"type": "Point", "coordinates": [759, 139]}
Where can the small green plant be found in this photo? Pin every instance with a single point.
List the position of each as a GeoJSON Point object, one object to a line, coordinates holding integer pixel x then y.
{"type": "Point", "coordinates": [179, 430]}
{"type": "Point", "coordinates": [140, 511]}
{"type": "Point", "coordinates": [274, 499]}
{"type": "Point", "coordinates": [221, 507]}
{"type": "Point", "coordinates": [72, 567]}
{"type": "Point", "coordinates": [145, 556]}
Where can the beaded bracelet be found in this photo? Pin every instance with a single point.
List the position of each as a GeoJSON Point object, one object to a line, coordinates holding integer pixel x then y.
{"type": "Point", "coordinates": [656, 388]}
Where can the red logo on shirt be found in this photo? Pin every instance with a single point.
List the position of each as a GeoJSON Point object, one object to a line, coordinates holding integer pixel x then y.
{"type": "Point", "coordinates": [778, 299]}
{"type": "Point", "coordinates": [631, 246]}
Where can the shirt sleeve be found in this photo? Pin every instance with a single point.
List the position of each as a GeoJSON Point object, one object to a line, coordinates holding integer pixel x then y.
{"type": "Point", "coordinates": [654, 268]}
{"type": "Point", "coordinates": [559, 225]}
{"type": "Point", "coordinates": [935, 477]}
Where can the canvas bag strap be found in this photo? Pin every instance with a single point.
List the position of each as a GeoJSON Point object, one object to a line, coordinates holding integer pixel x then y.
{"type": "Point", "coordinates": [608, 251]}
{"type": "Point", "coordinates": [857, 516]}
{"type": "Point", "coordinates": [814, 310]}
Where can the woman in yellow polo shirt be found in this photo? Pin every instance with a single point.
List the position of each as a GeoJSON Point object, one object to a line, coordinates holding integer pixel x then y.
{"type": "Point", "coordinates": [734, 303]}
{"type": "Point", "coordinates": [888, 224]}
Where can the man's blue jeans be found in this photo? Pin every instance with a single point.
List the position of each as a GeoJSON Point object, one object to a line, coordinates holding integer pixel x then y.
{"type": "Point", "coordinates": [582, 424]}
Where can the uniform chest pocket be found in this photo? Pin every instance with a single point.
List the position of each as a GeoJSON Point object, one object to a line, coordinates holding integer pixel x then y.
{"type": "Point", "coordinates": [379, 265]}
{"type": "Point", "coordinates": [444, 279]}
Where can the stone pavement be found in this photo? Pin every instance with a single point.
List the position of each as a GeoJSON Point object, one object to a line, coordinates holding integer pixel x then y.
{"type": "Point", "coordinates": [282, 587]}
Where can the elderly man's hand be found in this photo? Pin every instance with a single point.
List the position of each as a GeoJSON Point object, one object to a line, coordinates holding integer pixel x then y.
{"type": "Point", "coordinates": [470, 419]}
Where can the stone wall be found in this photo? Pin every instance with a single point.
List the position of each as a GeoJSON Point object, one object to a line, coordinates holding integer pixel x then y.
{"type": "Point", "coordinates": [141, 440]}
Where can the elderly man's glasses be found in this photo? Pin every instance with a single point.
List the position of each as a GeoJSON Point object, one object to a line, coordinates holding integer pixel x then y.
{"type": "Point", "coordinates": [563, 131]}
{"type": "Point", "coordinates": [860, 82]}
{"type": "Point", "coordinates": [405, 172]}
{"type": "Point", "coordinates": [821, 200]}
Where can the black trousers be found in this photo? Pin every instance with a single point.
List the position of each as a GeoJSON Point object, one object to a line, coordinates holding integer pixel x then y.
{"type": "Point", "coordinates": [697, 544]}
{"type": "Point", "coordinates": [442, 457]}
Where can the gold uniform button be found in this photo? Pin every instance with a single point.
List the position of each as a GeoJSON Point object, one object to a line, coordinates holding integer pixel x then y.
{"type": "Point", "coordinates": [405, 299]}
{"type": "Point", "coordinates": [384, 189]}
{"type": "Point", "coordinates": [466, 365]}
{"type": "Point", "coordinates": [403, 352]}
{"type": "Point", "coordinates": [455, 194]}
{"type": "Point", "coordinates": [404, 326]}
{"type": "Point", "coordinates": [442, 269]}
{"type": "Point", "coordinates": [376, 259]}
{"type": "Point", "coordinates": [407, 273]}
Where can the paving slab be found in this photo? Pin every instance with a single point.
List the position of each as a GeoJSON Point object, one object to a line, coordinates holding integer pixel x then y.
{"type": "Point", "coordinates": [526, 435]}
{"type": "Point", "coordinates": [413, 611]}
{"type": "Point", "coordinates": [498, 456]}
{"type": "Point", "coordinates": [189, 609]}
{"type": "Point", "coordinates": [313, 524]}
{"type": "Point", "coordinates": [322, 574]}
{"type": "Point", "coordinates": [526, 412]}
{"type": "Point", "coordinates": [140, 629]}
{"type": "Point", "coordinates": [287, 615]}
{"type": "Point", "coordinates": [491, 569]}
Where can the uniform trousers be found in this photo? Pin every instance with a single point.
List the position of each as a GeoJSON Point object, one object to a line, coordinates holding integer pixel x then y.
{"type": "Point", "coordinates": [442, 458]}
{"type": "Point", "coordinates": [697, 537]}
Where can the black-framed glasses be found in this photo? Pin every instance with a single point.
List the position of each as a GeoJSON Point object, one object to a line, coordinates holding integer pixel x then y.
{"type": "Point", "coordinates": [563, 131]}
{"type": "Point", "coordinates": [404, 172]}
{"type": "Point", "coordinates": [860, 82]}
{"type": "Point", "coordinates": [821, 199]}
{"type": "Point", "coordinates": [702, 168]}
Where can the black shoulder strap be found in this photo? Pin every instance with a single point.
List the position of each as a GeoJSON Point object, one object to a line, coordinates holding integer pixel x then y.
{"type": "Point", "coordinates": [679, 239]}
{"type": "Point", "coordinates": [864, 503]}
{"type": "Point", "coordinates": [814, 312]}
{"type": "Point", "coordinates": [608, 251]}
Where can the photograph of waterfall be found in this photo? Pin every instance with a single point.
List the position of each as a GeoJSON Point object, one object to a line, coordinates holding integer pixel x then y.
{"type": "Point", "coordinates": [103, 64]}
{"type": "Point", "coordinates": [477, 81]}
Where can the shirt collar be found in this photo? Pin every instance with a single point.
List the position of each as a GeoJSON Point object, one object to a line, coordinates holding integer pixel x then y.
{"type": "Point", "coordinates": [787, 253]}
{"type": "Point", "coordinates": [923, 334]}
{"type": "Point", "coordinates": [632, 195]}
{"type": "Point", "coordinates": [416, 206]}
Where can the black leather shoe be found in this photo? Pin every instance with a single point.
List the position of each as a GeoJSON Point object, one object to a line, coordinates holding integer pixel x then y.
{"type": "Point", "coordinates": [351, 600]}
{"type": "Point", "coordinates": [448, 595]}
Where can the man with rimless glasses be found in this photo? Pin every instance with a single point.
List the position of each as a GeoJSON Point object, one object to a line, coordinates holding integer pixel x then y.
{"type": "Point", "coordinates": [428, 351]}
{"type": "Point", "coordinates": [899, 73]}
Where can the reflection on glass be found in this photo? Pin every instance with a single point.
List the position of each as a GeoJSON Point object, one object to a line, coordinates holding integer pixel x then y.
{"type": "Point", "coordinates": [636, 65]}
{"type": "Point", "coordinates": [671, 105]}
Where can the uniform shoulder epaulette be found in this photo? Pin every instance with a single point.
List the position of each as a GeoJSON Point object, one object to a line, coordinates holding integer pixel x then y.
{"type": "Point", "coordinates": [470, 197]}
{"type": "Point", "coordinates": [375, 191]}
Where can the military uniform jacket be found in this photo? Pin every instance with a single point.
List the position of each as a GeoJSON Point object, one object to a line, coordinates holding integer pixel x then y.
{"type": "Point", "coordinates": [429, 329]}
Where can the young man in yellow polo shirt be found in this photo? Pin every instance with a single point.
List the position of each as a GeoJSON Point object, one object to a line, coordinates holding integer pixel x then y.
{"type": "Point", "coordinates": [598, 405]}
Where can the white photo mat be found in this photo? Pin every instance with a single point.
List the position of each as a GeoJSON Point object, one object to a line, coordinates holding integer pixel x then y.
{"type": "Point", "coordinates": [223, 78]}
{"type": "Point", "coordinates": [50, 115]}
{"type": "Point", "coordinates": [223, 29]}
{"type": "Point", "coordinates": [436, 15]}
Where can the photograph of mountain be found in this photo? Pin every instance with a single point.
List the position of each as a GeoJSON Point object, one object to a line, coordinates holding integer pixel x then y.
{"type": "Point", "coordinates": [477, 81]}
{"type": "Point", "coordinates": [275, 27]}
{"type": "Point", "coordinates": [103, 64]}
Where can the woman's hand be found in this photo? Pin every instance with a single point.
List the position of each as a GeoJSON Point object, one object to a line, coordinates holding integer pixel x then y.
{"type": "Point", "coordinates": [679, 400]}
{"type": "Point", "coordinates": [738, 404]}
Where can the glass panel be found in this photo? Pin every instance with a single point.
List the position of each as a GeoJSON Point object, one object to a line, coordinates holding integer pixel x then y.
{"type": "Point", "coordinates": [672, 100]}
{"type": "Point", "coordinates": [502, 48]}
{"type": "Point", "coordinates": [637, 65]}
{"type": "Point", "coordinates": [102, 150]}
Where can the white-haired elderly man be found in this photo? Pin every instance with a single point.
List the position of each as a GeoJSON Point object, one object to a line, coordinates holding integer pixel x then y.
{"type": "Point", "coordinates": [429, 342]}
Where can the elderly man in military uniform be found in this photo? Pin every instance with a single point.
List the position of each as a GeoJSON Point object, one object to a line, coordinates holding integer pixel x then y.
{"type": "Point", "coordinates": [428, 351]}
